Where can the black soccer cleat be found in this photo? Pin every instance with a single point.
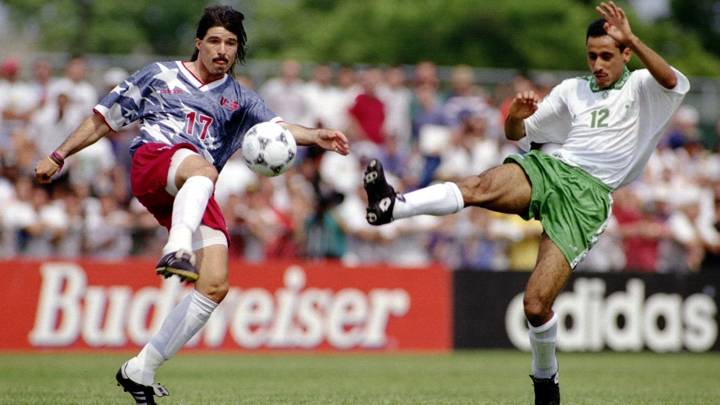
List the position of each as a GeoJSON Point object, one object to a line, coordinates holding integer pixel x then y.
{"type": "Point", "coordinates": [142, 394]}
{"type": "Point", "coordinates": [547, 390]}
{"type": "Point", "coordinates": [381, 195]}
{"type": "Point", "coordinates": [180, 263]}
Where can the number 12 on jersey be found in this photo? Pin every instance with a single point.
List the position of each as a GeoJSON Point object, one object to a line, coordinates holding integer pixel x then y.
{"type": "Point", "coordinates": [599, 118]}
{"type": "Point", "coordinates": [205, 120]}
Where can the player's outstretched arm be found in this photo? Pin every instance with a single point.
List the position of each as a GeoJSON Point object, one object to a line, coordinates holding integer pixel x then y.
{"type": "Point", "coordinates": [618, 27]}
{"type": "Point", "coordinates": [90, 131]}
{"type": "Point", "coordinates": [522, 106]}
{"type": "Point", "coordinates": [328, 139]}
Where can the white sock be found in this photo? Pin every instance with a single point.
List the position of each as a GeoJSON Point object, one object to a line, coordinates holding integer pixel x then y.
{"type": "Point", "coordinates": [141, 368]}
{"type": "Point", "coordinates": [181, 324]}
{"type": "Point", "coordinates": [188, 210]}
{"type": "Point", "coordinates": [542, 342]}
{"type": "Point", "coordinates": [438, 199]}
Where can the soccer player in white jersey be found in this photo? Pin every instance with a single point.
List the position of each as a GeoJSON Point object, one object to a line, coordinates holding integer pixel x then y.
{"type": "Point", "coordinates": [192, 116]}
{"type": "Point", "coordinates": [608, 125]}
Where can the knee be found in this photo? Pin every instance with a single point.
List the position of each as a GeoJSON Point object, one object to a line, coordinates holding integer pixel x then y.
{"type": "Point", "coordinates": [473, 185]}
{"type": "Point", "coordinates": [474, 189]}
{"type": "Point", "coordinates": [216, 291]}
{"type": "Point", "coordinates": [208, 171]}
{"type": "Point", "coordinates": [537, 310]}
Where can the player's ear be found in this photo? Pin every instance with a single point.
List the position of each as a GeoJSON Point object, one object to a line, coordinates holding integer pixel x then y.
{"type": "Point", "coordinates": [627, 54]}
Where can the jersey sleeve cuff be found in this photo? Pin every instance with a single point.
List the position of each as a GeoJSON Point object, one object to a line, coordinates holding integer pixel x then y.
{"type": "Point", "coordinates": [102, 112]}
{"type": "Point", "coordinates": [524, 142]}
{"type": "Point", "coordinates": [683, 84]}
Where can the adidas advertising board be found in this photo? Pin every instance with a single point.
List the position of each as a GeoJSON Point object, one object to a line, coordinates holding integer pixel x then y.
{"type": "Point", "coordinates": [619, 312]}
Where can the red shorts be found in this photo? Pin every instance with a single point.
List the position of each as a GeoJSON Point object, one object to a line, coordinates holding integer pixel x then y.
{"type": "Point", "coordinates": [148, 178]}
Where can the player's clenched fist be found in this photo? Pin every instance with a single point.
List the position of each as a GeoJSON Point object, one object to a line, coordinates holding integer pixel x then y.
{"type": "Point", "coordinates": [46, 169]}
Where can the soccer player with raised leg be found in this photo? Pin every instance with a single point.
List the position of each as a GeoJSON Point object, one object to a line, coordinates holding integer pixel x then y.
{"type": "Point", "coordinates": [608, 125]}
{"type": "Point", "coordinates": [192, 116]}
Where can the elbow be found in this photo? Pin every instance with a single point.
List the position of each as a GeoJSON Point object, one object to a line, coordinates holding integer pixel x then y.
{"type": "Point", "coordinates": [514, 135]}
{"type": "Point", "coordinates": [514, 129]}
{"type": "Point", "coordinates": [670, 82]}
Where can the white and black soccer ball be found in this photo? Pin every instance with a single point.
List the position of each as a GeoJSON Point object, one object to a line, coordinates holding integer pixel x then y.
{"type": "Point", "coordinates": [268, 149]}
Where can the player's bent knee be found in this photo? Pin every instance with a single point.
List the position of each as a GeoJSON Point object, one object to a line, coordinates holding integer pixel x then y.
{"type": "Point", "coordinates": [537, 311]}
{"type": "Point", "coordinates": [474, 189]}
{"type": "Point", "coordinates": [216, 291]}
{"type": "Point", "coordinates": [208, 171]}
{"type": "Point", "coordinates": [195, 165]}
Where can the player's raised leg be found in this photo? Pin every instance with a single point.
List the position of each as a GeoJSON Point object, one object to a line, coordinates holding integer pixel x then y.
{"type": "Point", "coordinates": [547, 280]}
{"type": "Point", "coordinates": [191, 179]}
{"type": "Point", "coordinates": [504, 188]}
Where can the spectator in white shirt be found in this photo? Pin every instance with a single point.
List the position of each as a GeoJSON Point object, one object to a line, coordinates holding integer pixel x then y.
{"type": "Point", "coordinates": [285, 94]}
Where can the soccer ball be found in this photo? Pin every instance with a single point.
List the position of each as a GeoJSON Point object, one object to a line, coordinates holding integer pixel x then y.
{"type": "Point", "coordinates": [268, 149]}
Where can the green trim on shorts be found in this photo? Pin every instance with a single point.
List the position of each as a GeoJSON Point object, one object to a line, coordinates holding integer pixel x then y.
{"type": "Point", "coordinates": [572, 205]}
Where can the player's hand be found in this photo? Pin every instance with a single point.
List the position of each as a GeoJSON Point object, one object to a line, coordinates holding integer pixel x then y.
{"type": "Point", "coordinates": [617, 25]}
{"type": "Point", "coordinates": [45, 170]}
{"type": "Point", "coordinates": [524, 105]}
{"type": "Point", "coordinates": [332, 140]}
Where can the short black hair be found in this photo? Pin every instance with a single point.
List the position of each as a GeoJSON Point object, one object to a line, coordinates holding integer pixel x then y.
{"type": "Point", "coordinates": [597, 29]}
{"type": "Point", "coordinates": [228, 18]}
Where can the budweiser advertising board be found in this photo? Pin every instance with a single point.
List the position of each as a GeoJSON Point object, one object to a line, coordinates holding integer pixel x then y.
{"type": "Point", "coordinates": [270, 306]}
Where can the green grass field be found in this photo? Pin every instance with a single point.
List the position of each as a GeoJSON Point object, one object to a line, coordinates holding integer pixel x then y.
{"type": "Point", "coordinates": [472, 377]}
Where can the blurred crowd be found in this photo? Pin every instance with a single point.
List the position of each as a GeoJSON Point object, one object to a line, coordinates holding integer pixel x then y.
{"type": "Point", "coordinates": [422, 129]}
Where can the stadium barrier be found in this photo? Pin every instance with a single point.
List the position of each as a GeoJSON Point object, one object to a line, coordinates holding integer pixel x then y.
{"type": "Point", "coordinates": [597, 311]}
{"type": "Point", "coordinates": [270, 306]}
{"type": "Point", "coordinates": [324, 306]}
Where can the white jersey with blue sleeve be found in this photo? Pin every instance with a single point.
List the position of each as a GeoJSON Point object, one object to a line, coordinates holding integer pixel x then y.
{"type": "Point", "coordinates": [173, 106]}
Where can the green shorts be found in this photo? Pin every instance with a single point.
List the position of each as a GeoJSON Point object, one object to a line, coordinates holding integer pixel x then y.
{"type": "Point", "coordinates": [572, 205]}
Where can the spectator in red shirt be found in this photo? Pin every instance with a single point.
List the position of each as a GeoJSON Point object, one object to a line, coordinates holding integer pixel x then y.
{"type": "Point", "coordinates": [641, 231]}
{"type": "Point", "coordinates": [367, 113]}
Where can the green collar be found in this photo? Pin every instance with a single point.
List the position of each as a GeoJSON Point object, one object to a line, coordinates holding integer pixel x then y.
{"type": "Point", "coordinates": [615, 86]}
